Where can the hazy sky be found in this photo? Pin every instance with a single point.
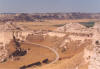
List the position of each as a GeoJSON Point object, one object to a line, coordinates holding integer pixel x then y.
{"type": "Point", "coordinates": [36, 6]}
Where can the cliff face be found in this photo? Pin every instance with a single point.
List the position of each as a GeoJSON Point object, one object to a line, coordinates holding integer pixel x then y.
{"type": "Point", "coordinates": [5, 38]}
{"type": "Point", "coordinates": [42, 16]}
{"type": "Point", "coordinates": [95, 57]}
{"type": "Point", "coordinates": [7, 33]}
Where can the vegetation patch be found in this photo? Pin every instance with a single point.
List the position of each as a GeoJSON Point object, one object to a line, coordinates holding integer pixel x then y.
{"type": "Point", "coordinates": [59, 25]}
{"type": "Point", "coordinates": [87, 24]}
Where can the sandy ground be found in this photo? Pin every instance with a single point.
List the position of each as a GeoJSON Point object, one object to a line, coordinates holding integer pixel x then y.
{"type": "Point", "coordinates": [35, 54]}
{"type": "Point", "coordinates": [69, 59]}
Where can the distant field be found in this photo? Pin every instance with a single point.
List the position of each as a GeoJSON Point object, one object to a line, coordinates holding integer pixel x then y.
{"type": "Point", "coordinates": [51, 24]}
{"type": "Point", "coordinates": [54, 22]}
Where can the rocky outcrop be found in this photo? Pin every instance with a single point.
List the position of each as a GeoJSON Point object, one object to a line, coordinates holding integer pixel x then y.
{"type": "Point", "coordinates": [3, 53]}
{"type": "Point", "coordinates": [7, 33]}
{"type": "Point", "coordinates": [95, 57]}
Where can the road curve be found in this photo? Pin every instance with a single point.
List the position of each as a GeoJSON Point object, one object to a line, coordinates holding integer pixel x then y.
{"type": "Point", "coordinates": [53, 50]}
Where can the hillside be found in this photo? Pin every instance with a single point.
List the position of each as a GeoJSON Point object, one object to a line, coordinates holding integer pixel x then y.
{"type": "Point", "coordinates": [46, 16]}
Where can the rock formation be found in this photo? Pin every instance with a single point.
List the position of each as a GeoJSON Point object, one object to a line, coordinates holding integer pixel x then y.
{"type": "Point", "coordinates": [95, 57]}
{"type": "Point", "coordinates": [7, 33]}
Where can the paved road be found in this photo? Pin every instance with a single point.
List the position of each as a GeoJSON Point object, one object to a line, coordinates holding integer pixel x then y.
{"type": "Point", "coordinates": [53, 50]}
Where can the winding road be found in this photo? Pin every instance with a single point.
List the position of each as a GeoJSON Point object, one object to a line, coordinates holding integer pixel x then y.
{"type": "Point", "coordinates": [53, 50]}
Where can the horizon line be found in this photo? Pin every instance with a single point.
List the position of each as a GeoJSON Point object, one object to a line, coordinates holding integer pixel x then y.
{"type": "Point", "coordinates": [44, 12]}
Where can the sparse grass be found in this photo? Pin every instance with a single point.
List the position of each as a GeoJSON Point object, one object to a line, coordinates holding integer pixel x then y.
{"type": "Point", "coordinates": [59, 25]}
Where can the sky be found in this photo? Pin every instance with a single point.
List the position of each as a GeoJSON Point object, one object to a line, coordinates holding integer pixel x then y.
{"type": "Point", "coordinates": [49, 6]}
